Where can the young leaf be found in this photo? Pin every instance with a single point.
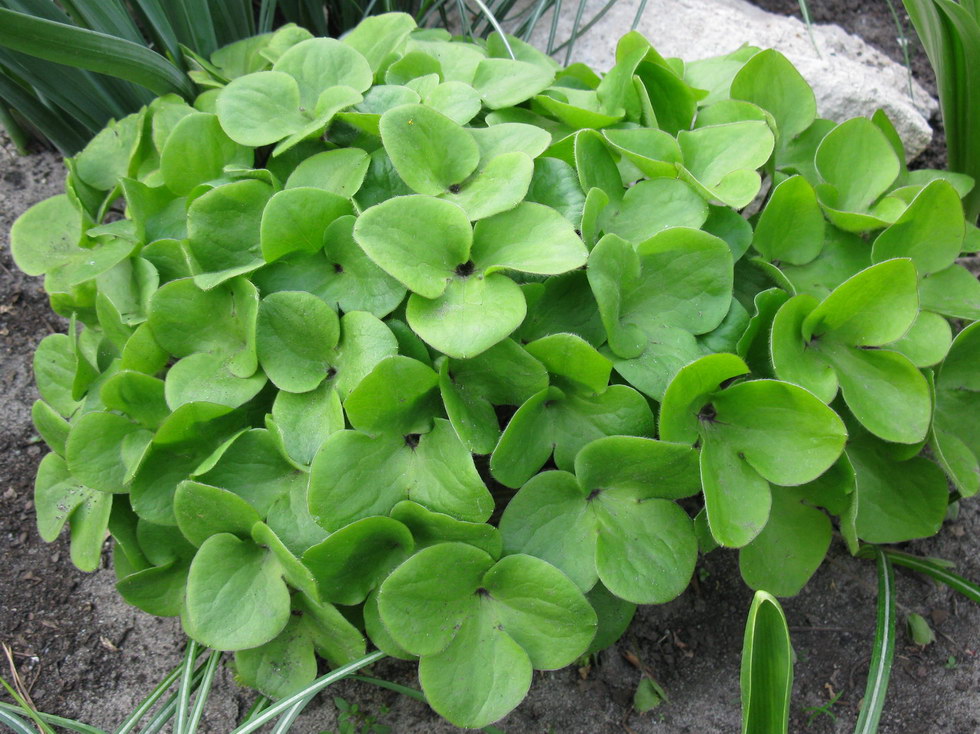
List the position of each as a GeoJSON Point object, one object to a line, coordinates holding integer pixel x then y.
{"type": "Point", "coordinates": [929, 232]}
{"type": "Point", "coordinates": [764, 566]}
{"type": "Point", "coordinates": [46, 235]}
{"type": "Point", "coordinates": [320, 63]}
{"type": "Point", "coordinates": [791, 227]}
{"type": "Point", "coordinates": [197, 151]}
{"type": "Point", "coordinates": [434, 469]}
{"type": "Point", "coordinates": [767, 668]}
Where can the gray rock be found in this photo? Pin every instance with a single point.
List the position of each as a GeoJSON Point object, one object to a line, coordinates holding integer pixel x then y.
{"type": "Point", "coordinates": [849, 77]}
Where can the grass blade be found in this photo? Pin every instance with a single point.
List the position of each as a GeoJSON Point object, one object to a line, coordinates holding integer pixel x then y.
{"type": "Point", "coordinates": [65, 44]}
{"type": "Point", "coordinates": [575, 31]}
{"type": "Point", "coordinates": [578, 32]}
{"type": "Point", "coordinates": [16, 724]}
{"type": "Point", "coordinates": [156, 21]}
{"type": "Point", "coordinates": [155, 695]}
{"type": "Point", "coordinates": [411, 693]}
{"type": "Point", "coordinates": [930, 568]}
{"type": "Point", "coordinates": [69, 90]}
{"type": "Point", "coordinates": [950, 35]}
{"type": "Point", "coordinates": [903, 41]}
{"type": "Point", "coordinates": [281, 706]}
{"type": "Point", "coordinates": [396, 687]}
{"type": "Point", "coordinates": [184, 691]}
{"type": "Point", "coordinates": [26, 707]}
{"type": "Point", "coordinates": [267, 12]}
{"type": "Point", "coordinates": [105, 16]}
{"type": "Point", "coordinates": [64, 136]}
{"type": "Point", "coordinates": [205, 690]}
{"type": "Point", "coordinates": [169, 708]}
{"type": "Point", "coordinates": [808, 21]}
{"type": "Point", "coordinates": [18, 136]}
{"type": "Point", "coordinates": [64, 723]}
{"type": "Point", "coordinates": [194, 25]}
{"type": "Point", "coordinates": [884, 648]}
{"type": "Point", "coordinates": [767, 668]}
{"type": "Point", "coordinates": [285, 722]}
{"type": "Point", "coordinates": [258, 706]}
{"type": "Point", "coordinates": [496, 26]}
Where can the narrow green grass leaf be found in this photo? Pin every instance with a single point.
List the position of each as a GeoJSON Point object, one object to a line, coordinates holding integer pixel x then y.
{"type": "Point", "coordinates": [18, 136]}
{"type": "Point", "coordinates": [767, 668]}
{"type": "Point", "coordinates": [90, 50]}
{"type": "Point", "coordinates": [184, 692]}
{"type": "Point", "coordinates": [951, 37]}
{"type": "Point", "coordinates": [267, 11]}
{"type": "Point", "coordinates": [104, 16]}
{"type": "Point", "coordinates": [169, 707]}
{"type": "Point", "coordinates": [25, 707]}
{"type": "Point", "coordinates": [16, 724]}
{"type": "Point", "coordinates": [318, 685]}
{"type": "Point", "coordinates": [63, 135]}
{"type": "Point", "coordinates": [929, 567]}
{"type": "Point", "coordinates": [884, 647]}
{"type": "Point", "coordinates": [76, 726]}
{"type": "Point", "coordinates": [159, 25]}
{"type": "Point", "coordinates": [286, 722]}
{"type": "Point", "coordinates": [73, 91]}
{"type": "Point", "coordinates": [202, 697]}
{"type": "Point", "coordinates": [131, 721]}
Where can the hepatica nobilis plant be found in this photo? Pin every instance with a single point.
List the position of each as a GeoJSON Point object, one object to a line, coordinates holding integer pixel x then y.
{"type": "Point", "coordinates": [399, 340]}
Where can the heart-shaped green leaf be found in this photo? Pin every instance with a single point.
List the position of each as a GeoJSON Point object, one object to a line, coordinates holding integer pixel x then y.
{"type": "Point", "coordinates": [929, 232]}
{"type": "Point", "coordinates": [355, 476]}
{"type": "Point", "coordinates": [483, 626]}
{"type": "Point", "coordinates": [857, 144]}
{"type": "Point", "coordinates": [429, 151]}
{"type": "Point", "coordinates": [555, 422]}
{"type": "Point", "coordinates": [474, 313]}
{"type": "Point", "coordinates": [260, 108]}
{"type": "Point", "coordinates": [763, 562]}
{"type": "Point", "coordinates": [769, 80]}
{"type": "Point", "coordinates": [397, 396]}
{"type": "Point", "coordinates": [294, 220]}
{"type": "Point", "coordinates": [205, 377]}
{"type": "Point", "coordinates": [531, 238]}
{"type": "Point", "coordinates": [418, 240]}
{"type": "Point", "coordinates": [294, 337]}
{"type": "Point", "coordinates": [791, 227]}
{"type": "Point", "coordinates": [596, 527]}
{"type": "Point", "coordinates": [356, 558]}
{"type": "Point", "coordinates": [236, 598]}
{"type": "Point", "coordinates": [320, 63]}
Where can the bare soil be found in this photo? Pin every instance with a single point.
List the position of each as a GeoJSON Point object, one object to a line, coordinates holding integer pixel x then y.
{"type": "Point", "coordinates": [83, 653]}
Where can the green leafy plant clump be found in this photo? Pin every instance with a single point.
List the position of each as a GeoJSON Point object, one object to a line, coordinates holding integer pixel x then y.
{"type": "Point", "coordinates": [434, 346]}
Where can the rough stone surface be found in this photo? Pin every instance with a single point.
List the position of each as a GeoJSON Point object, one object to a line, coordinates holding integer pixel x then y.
{"type": "Point", "coordinates": [849, 77]}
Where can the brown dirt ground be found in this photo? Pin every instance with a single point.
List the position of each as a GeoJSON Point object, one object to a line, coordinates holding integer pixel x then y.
{"type": "Point", "coordinates": [87, 655]}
